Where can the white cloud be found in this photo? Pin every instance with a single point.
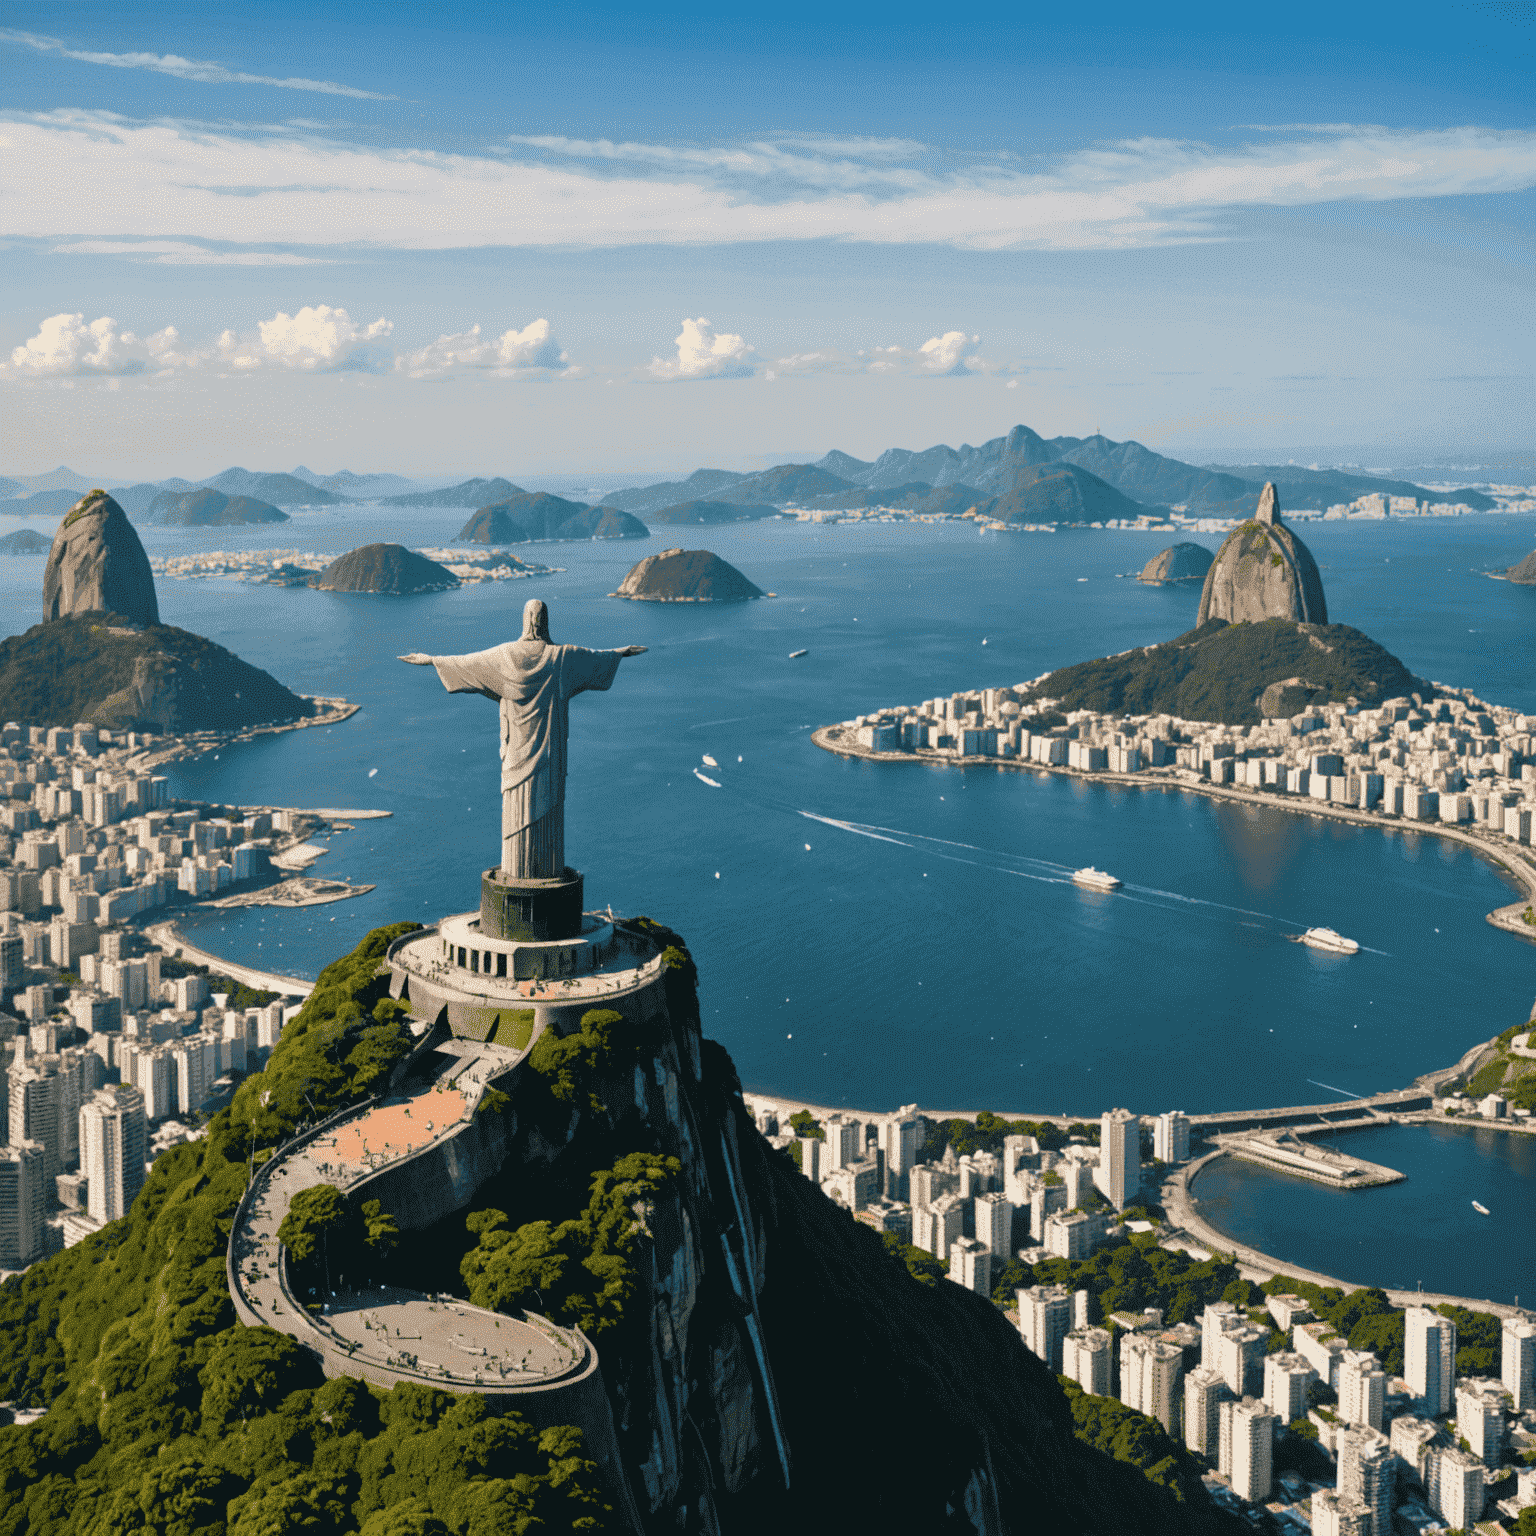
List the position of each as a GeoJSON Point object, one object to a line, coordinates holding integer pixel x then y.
{"type": "Point", "coordinates": [704, 353]}
{"type": "Point", "coordinates": [291, 187]}
{"type": "Point", "coordinates": [203, 71]}
{"type": "Point", "coordinates": [66, 347]}
{"type": "Point", "coordinates": [178, 253]}
{"type": "Point", "coordinates": [318, 339]}
{"type": "Point", "coordinates": [954, 354]}
{"type": "Point", "coordinates": [948, 353]}
{"type": "Point", "coordinates": [532, 349]}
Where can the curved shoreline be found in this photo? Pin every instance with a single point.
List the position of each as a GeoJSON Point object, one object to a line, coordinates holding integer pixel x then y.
{"type": "Point", "coordinates": [1186, 1223]}
{"type": "Point", "coordinates": [1508, 858]}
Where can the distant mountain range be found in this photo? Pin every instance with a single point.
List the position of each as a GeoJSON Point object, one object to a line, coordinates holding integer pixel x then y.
{"type": "Point", "coordinates": [1004, 474]}
{"type": "Point", "coordinates": [1008, 469]}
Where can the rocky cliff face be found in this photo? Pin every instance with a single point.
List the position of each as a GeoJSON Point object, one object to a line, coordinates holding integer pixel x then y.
{"type": "Point", "coordinates": [775, 1366]}
{"type": "Point", "coordinates": [98, 565]}
{"type": "Point", "coordinates": [1179, 562]}
{"type": "Point", "coordinates": [92, 668]}
{"type": "Point", "coordinates": [1263, 571]}
{"type": "Point", "coordinates": [1525, 572]}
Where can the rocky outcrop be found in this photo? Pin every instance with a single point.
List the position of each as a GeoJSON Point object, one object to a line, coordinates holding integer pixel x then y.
{"type": "Point", "coordinates": [1179, 562]}
{"type": "Point", "coordinates": [98, 565]}
{"type": "Point", "coordinates": [1525, 572]}
{"type": "Point", "coordinates": [746, 1288]}
{"type": "Point", "coordinates": [686, 576]}
{"type": "Point", "coordinates": [95, 668]}
{"type": "Point", "coordinates": [1263, 571]}
{"type": "Point", "coordinates": [386, 568]}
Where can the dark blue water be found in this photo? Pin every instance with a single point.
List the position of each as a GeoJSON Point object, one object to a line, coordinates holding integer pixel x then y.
{"type": "Point", "coordinates": [1401, 1235]}
{"type": "Point", "coordinates": [929, 948]}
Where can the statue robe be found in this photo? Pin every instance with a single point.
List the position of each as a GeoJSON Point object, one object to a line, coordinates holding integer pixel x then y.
{"type": "Point", "coordinates": [534, 682]}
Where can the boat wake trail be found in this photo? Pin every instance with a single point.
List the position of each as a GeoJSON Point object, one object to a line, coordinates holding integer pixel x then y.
{"type": "Point", "coordinates": [1047, 872]}
{"type": "Point", "coordinates": [1331, 1089]}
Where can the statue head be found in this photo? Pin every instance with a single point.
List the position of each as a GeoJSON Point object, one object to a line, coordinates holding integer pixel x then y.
{"type": "Point", "coordinates": [535, 620]}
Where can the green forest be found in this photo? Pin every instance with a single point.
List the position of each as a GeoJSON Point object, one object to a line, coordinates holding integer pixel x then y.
{"type": "Point", "coordinates": [165, 1416]}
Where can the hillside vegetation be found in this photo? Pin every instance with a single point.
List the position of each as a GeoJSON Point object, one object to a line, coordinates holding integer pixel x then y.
{"type": "Point", "coordinates": [166, 1416]}
{"type": "Point", "coordinates": [1219, 671]}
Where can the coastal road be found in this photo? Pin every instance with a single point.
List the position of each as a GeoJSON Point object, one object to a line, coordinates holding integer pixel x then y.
{"type": "Point", "coordinates": [166, 936]}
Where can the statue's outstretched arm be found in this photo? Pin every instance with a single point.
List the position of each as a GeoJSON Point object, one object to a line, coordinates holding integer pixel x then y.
{"type": "Point", "coordinates": [416, 658]}
{"type": "Point", "coordinates": [627, 650]}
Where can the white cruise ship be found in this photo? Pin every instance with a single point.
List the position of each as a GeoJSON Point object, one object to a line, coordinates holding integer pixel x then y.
{"type": "Point", "coordinates": [1096, 879]}
{"type": "Point", "coordinates": [1326, 938]}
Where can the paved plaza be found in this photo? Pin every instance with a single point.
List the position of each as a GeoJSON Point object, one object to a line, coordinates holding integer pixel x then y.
{"type": "Point", "coordinates": [440, 1336]}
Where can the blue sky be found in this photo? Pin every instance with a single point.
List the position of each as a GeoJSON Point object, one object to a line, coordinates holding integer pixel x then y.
{"type": "Point", "coordinates": [538, 240]}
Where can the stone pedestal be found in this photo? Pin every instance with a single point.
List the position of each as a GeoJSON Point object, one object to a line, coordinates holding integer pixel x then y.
{"type": "Point", "coordinates": [530, 910]}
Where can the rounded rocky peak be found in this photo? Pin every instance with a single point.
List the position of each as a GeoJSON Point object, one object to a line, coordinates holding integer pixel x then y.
{"type": "Point", "coordinates": [1525, 572]}
{"type": "Point", "coordinates": [386, 568]}
{"type": "Point", "coordinates": [98, 565]}
{"type": "Point", "coordinates": [1179, 562]}
{"type": "Point", "coordinates": [1263, 571]}
{"type": "Point", "coordinates": [686, 576]}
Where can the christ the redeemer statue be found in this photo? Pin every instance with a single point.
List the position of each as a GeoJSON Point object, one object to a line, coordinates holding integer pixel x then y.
{"type": "Point", "coordinates": [535, 683]}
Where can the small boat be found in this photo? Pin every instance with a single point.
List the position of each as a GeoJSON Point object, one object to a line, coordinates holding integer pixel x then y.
{"type": "Point", "coordinates": [709, 762]}
{"type": "Point", "coordinates": [1096, 879]}
{"type": "Point", "coordinates": [1326, 938]}
{"type": "Point", "coordinates": [713, 783]}
{"type": "Point", "coordinates": [795, 655]}
{"type": "Point", "coordinates": [1481, 1209]}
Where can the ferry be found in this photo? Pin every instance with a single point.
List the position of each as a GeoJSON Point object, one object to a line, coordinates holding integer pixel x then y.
{"type": "Point", "coordinates": [709, 762]}
{"type": "Point", "coordinates": [1096, 879]}
{"type": "Point", "coordinates": [795, 655]}
{"type": "Point", "coordinates": [1481, 1209]}
{"type": "Point", "coordinates": [1326, 938]}
{"type": "Point", "coordinates": [705, 778]}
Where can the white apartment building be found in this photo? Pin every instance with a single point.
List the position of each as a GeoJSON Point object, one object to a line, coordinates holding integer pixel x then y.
{"type": "Point", "coordinates": [1073, 1234]}
{"type": "Point", "coordinates": [1362, 1388]}
{"type": "Point", "coordinates": [1204, 1393]}
{"type": "Point", "coordinates": [1517, 1362]}
{"type": "Point", "coordinates": [1367, 1475]}
{"type": "Point", "coordinates": [970, 1265]}
{"type": "Point", "coordinates": [994, 1224]}
{"type": "Point", "coordinates": [1480, 1418]}
{"type": "Point", "coordinates": [1455, 1481]}
{"type": "Point", "coordinates": [1045, 1319]}
{"type": "Point", "coordinates": [1287, 1377]}
{"type": "Point", "coordinates": [1170, 1137]}
{"type": "Point", "coordinates": [1246, 1447]}
{"type": "Point", "coordinates": [1119, 1170]}
{"type": "Point", "coordinates": [1322, 1348]}
{"type": "Point", "coordinates": [24, 1190]}
{"type": "Point", "coordinates": [1240, 1359]}
{"type": "Point", "coordinates": [1429, 1360]}
{"type": "Point", "coordinates": [1151, 1377]}
{"type": "Point", "coordinates": [843, 1144]}
{"type": "Point", "coordinates": [1333, 1516]}
{"type": "Point", "coordinates": [113, 1146]}
{"type": "Point", "coordinates": [1085, 1359]}
{"type": "Point", "coordinates": [935, 1227]}
{"type": "Point", "coordinates": [898, 1136]}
